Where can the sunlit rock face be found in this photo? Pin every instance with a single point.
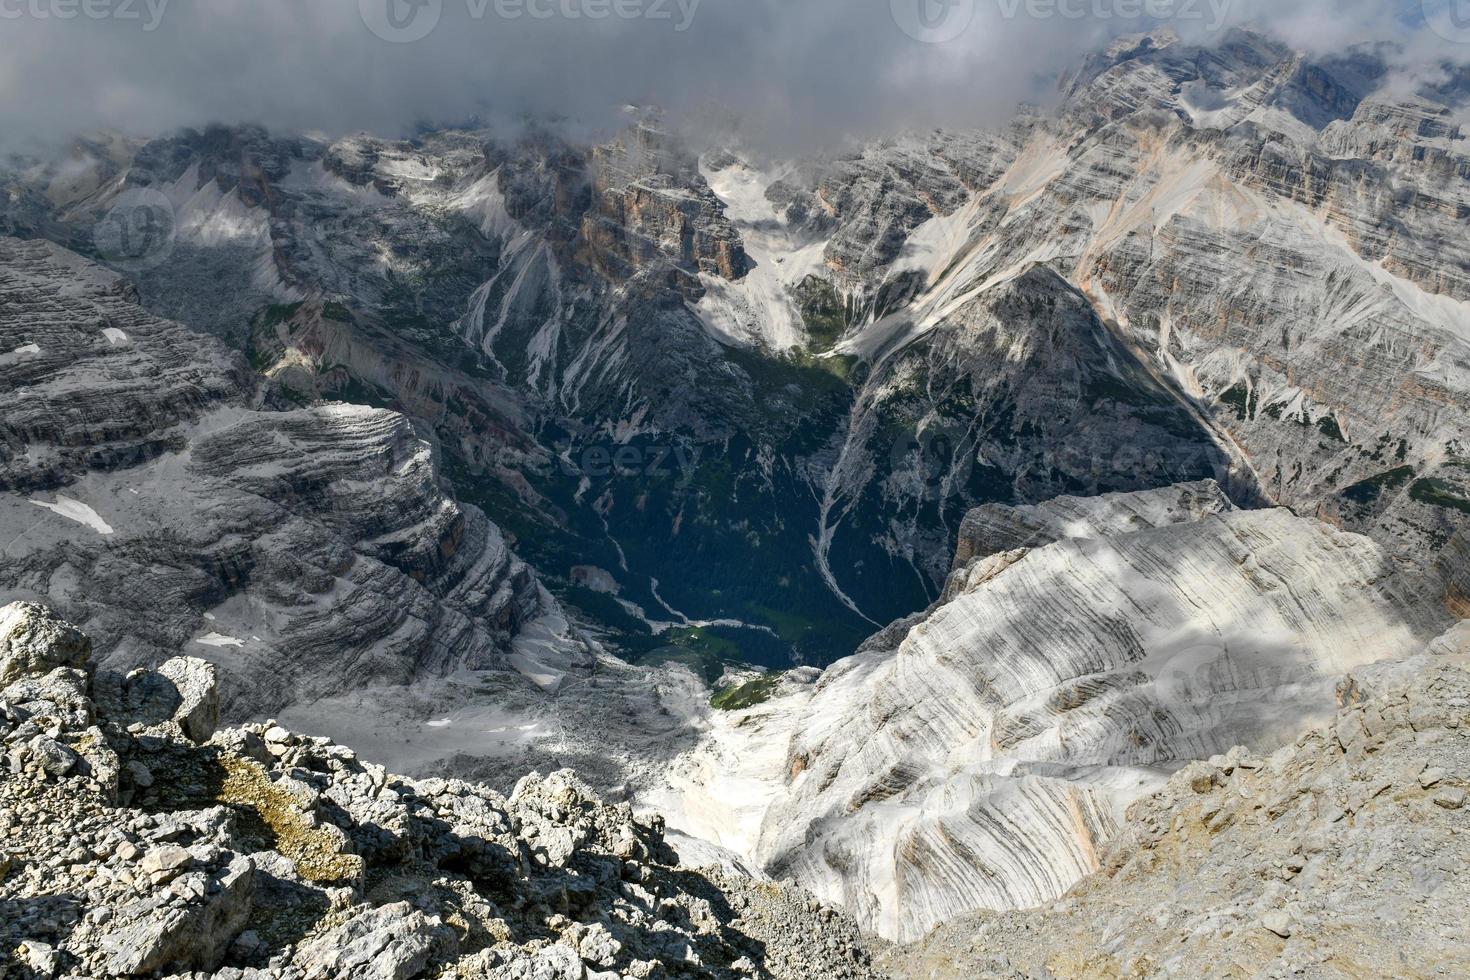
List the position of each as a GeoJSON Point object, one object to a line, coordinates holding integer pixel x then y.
{"type": "Point", "coordinates": [309, 551]}
{"type": "Point", "coordinates": [1204, 872]}
{"type": "Point", "coordinates": [980, 756]}
{"type": "Point", "coordinates": [650, 203]}
{"type": "Point", "coordinates": [1281, 242]}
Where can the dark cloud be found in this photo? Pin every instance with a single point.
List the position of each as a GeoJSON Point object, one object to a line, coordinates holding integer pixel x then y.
{"type": "Point", "coordinates": [790, 71]}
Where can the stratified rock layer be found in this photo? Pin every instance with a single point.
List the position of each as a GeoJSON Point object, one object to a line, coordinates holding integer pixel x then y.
{"type": "Point", "coordinates": [305, 551]}
{"type": "Point", "coordinates": [1344, 854]}
{"type": "Point", "coordinates": [981, 756]}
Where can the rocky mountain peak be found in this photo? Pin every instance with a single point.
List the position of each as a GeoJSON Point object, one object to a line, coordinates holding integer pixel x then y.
{"type": "Point", "coordinates": [651, 203]}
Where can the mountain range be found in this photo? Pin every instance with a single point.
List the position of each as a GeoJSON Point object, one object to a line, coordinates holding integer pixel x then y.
{"type": "Point", "coordinates": [891, 519]}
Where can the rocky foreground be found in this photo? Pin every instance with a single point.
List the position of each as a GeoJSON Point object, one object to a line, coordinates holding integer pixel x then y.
{"type": "Point", "coordinates": [139, 840]}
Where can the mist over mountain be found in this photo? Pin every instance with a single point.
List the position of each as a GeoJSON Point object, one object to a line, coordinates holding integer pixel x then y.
{"type": "Point", "coordinates": [788, 75]}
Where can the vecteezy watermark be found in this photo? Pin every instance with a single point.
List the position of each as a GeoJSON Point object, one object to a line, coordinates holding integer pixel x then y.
{"type": "Point", "coordinates": [939, 21]}
{"type": "Point", "coordinates": [137, 232]}
{"type": "Point", "coordinates": [936, 457]}
{"type": "Point", "coordinates": [1211, 13]}
{"type": "Point", "coordinates": [401, 21]}
{"type": "Point", "coordinates": [149, 13]}
{"type": "Point", "coordinates": [601, 461]}
{"type": "Point", "coordinates": [933, 21]}
{"type": "Point", "coordinates": [1450, 19]}
{"type": "Point", "coordinates": [405, 21]}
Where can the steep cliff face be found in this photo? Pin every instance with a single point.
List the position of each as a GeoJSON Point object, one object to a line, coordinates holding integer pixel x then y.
{"type": "Point", "coordinates": [1279, 247]}
{"type": "Point", "coordinates": [306, 551]}
{"type": "Point", "coordinates": [980, 756]}
{"type": "Point", "coordinates": [650, 203]}
{"type": "Point", "coordinates": [1248, 264]}
{"type": "Point", "coordinates": [1017, 393]}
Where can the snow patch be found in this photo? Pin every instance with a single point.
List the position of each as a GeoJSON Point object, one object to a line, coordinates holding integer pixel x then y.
{"type": "Point", "coordinates": [545, 650]}
{"type": "Point", "coordinates": [75, 510]}
{"type": "Point", "coordinates": [758, 309]}
{"type": "Point", "coordinates": [218, 640]}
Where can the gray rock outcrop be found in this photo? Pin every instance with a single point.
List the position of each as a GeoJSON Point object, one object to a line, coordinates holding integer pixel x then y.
{"type": "Point", "coordinates": [261, 854]}
{"type": "Point", "coordinates": [198, 690]}
{"type": "Point", "coordinates": [35, 641]}
{"type": "Point", "coordinates": [298, 550]}
{"type": "Point", "coordinates": [1342, 854]}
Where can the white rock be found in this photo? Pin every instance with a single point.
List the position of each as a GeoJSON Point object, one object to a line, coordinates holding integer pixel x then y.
{"type": "Point", "coordinates": [34, 641]}
{"type": "Point", "coordinates": [198, 687]}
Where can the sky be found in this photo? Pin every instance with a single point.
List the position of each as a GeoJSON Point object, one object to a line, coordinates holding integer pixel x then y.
{"type": "Point", "coordinates": [786, 72]}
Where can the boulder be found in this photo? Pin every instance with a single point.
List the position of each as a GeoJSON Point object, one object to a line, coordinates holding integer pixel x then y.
{"type": "Point", "coordinates": [197, 682]}
{"type": "Point", "coordinates": [168, 929]}
{"type": "Point", "coordinates": [35, 641]}
{"type": "Point", "coordinates": [393, 942]}
{"type": "Point", "coordinates": [54, 757]}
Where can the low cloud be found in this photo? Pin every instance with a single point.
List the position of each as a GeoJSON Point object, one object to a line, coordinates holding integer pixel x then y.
{"type": "Point", "coordinates": [788, 72]}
